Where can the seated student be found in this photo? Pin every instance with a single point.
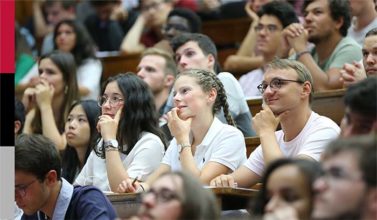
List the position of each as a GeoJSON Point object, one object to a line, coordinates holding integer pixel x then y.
{"type": "Point", "coordinates": [48, 100]}
{"type": "Point", "coordinates": [42, 193]}
{"type": "Point", "coordinates": [197, 51]}
{"type": "Point", "coordinates": [80, 132]}
{"type": "Point", "coordinates": [19, 117]}
{"type": "Point", "coordinates": [348, 187]}
{"type": "Point", "coordinates": [355, 72]}
{"type": "Point", "coordinates": [71, 36]}
{"type": "Point", "coordinates": [287, 190]}
{"type": "Point", "coordinates": [274, 17]}
{"type": "Point", "coordinates": [202, 145]}
{"type": "Point", "coordinates": [178, 195]}
{"type": "Point", "coordinates": [247, 57]}
{"type": "Point", "coordinates": [287, 91]}
{"type": "Point", "coordinates": [147, 29]}
{"type": "Point", "coordinates": [131, 144]}
{"type": "Point", "coordinates": [360, 102]}
{"type": "Point", "coordinates": [326, 24]}
{"type": "Point", "coordinates": [180, 20]}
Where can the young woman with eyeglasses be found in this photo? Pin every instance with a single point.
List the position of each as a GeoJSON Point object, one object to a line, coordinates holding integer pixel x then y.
{"type": "Point", "coordinates": [80, 132]}
{"type": "Point", "coordinates": [178, 195]}
{"type": "Point", "coordinates": [131, 143]}
{"type": "Point", "coordinates": [47, 103]}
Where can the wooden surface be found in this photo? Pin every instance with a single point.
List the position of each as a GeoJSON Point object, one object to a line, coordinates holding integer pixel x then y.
{"type": "Point", "coordinates": [234, 198]}
{"type": "Point", "coordinates": [115, 62]}
{"type": "Point", "coordinates": [127, 204]}
{"type": "Point", "coordinates": [251, 144]}
{"type": "Point", "coordinates": [326, 103]}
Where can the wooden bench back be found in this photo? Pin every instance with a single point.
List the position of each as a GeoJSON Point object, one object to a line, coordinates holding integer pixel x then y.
{"type": "Point", "coordinates": [251, 144]}
{"type": "Point", "coordinates": [327, 103]}
{"type": "Point", "coordinates": [114, 63]}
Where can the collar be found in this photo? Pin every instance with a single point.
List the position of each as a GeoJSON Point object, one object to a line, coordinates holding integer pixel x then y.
{"type": "Point", "coordinates": [63, 201]}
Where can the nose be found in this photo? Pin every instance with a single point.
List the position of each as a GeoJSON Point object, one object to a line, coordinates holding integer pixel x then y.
{"type": "Point", "coordinates": [149, 200]}
{"type": "Point", "coordinates": [141, 73]}
{"type": "Point", "coordinates": [177, 99]}
{"type": "Point", "coordinates": [72, 124]}
{"type": "Point", "coordinates": [182, 63]}
{"type": "Point", "coordinates": [272, 204]}
{"type": "Point", "coordinates": [371, 59]}
{"type": "Point", "coordinates": [319, 185]}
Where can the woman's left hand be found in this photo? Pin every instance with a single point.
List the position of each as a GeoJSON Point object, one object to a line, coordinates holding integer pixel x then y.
{"type": "Point", "coordinates": [179, 128]}
{"type": "Point", "coordinates": [108, 126]}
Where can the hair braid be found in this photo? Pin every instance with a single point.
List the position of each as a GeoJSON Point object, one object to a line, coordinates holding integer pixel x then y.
{"type": "Point", "coordinates": [221, 100]}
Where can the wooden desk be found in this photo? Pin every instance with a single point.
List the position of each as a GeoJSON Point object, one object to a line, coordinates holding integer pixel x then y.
{"type": "Point", "coordinates": [251, 144]}
{"type": "Point", "coordinates": [233, 198]}
{"type": "Point", "coordinates": [128, 204]}
{"type": "Point", "coordinates": [125, 204]}
{"type": "Point", "coordinates": [327, 103]}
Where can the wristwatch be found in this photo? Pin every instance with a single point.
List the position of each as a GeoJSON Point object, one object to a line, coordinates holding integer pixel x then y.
{"type": "Point", "coordinates": [111, 145]}
{"type": "Point", "coordinates": [181, 146]}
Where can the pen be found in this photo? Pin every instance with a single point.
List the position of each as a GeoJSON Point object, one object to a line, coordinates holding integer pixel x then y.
{"type": "Point", "coordinates": [133, 182]}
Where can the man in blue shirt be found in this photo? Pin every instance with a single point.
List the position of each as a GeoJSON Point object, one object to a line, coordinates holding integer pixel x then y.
{"type": "Point", "coordinates": [42, 193]}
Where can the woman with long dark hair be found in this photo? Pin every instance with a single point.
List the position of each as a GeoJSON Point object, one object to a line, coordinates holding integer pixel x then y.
{"type": "Point", "coordinates": [70, 36]}
{"type": "Point", "coordinates": [47, 103]}
{"type": "Point", "coordinates": [81, 133]}
{"type": "Point", "coordinates": [131, 143]}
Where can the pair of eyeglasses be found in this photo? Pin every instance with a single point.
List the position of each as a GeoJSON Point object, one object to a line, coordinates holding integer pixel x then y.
{"type": "Point", "coordinates": [114, 101]}
{"type": "Point", "coordinates": [162, 195]}
{"type": "Point", "coordinates": [270, 28]}
{"type": "Point", "coordinates": [21, 190]}
{"type": "Point", "coordinates": [275, 84]}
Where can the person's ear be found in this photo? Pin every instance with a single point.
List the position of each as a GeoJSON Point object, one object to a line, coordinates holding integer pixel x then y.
{"type": "Point", "coordinates": [212, 94]}
{"type": "Point", "coordinates": [17, 126]}
{"type": "Point", "coordinates": [169, 80]}
{"type": "Point", "coordinates": [306, 89]}
{"type": "Point", "coordinates": [51, 177]}
{"type": "Point", "coordinates": [339, 23]}
{"type": "Point", "coordinates": [211, 62]}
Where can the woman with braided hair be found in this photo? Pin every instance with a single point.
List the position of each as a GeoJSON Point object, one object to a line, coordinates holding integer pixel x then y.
{"type": "Point", "coordinates": [202, 145]}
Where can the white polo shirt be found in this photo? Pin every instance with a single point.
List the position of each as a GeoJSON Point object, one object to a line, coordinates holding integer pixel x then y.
{"type": "Point", "coordinates": [223, 144]}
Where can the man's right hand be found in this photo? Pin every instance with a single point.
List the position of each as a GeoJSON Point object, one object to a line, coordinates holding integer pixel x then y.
{"type": "Point", "coordinates": [223, 181]}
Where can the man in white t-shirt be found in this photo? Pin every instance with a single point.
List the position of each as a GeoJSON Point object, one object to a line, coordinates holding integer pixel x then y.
{"type": "Point", "coordinates": [287, 91]}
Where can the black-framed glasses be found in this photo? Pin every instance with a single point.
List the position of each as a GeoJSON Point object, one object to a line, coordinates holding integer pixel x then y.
{"type": "Point", "coordinates": [163, 195]}
{"type": "Point", "coordinates": [21, 189]}
{"type": "Point", "coordinates": [275, 84]}
{"type": "Point", "coordinates": [113, 100]}
{"type": "Point", "coordinates": [270, 28]}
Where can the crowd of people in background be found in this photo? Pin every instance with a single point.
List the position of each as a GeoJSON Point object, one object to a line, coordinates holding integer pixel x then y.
{"type": "Point", "coordinates": [180, 121]}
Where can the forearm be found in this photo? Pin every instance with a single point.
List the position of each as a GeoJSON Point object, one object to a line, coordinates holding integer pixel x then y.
{"type": "Point", "coordinates": [49, 127]}
{"type": "Point", "coordinates": [243, 64]}
{"type": "Point", "coordinates": [322, 80]}
{"type": "Point", "coordinates": [163, 168]}
{"type": "Point", "coordinates": [188, 162]}
{"type": "Point", "coordinates": [131, 42]}
{"type": "Point", "coordinates": [270, 147]}
{"type": "Point", "coordinates": [248, 43]}
{"type": "Point", "coordinates": [41, 28]}
{"type": "Point", "coordinates": [116, 172]}
{"type": "Point", "coordinates": [244, 177]}
{"type": "Point", "coordinates": [27, 124]}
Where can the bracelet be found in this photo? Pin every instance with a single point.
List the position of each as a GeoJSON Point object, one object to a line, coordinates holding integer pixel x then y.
{"type": "Point", "coordinates": [298, 55]}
